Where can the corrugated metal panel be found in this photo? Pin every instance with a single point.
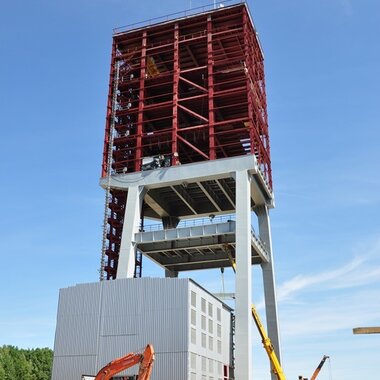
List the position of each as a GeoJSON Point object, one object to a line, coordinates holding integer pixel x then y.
{"type": "Point", "coordinates": [78, 321]}
{"type": "Point", "coordinates": [100, 322]}
{"type": "Point", "coordinates": [72, 367]}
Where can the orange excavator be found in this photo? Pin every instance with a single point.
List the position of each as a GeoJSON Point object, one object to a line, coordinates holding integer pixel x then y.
{"type": "Point", "coordinates": [317, 370]}
{"type": "Point", "coordinates": [145, 359]}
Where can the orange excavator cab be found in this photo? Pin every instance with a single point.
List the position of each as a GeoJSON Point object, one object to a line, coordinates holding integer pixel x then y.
{"type": "Point", "coordinates": [145, 359]}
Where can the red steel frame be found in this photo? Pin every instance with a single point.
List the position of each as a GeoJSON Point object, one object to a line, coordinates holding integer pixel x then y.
{"type": "Point", "coordinates": [192, 89]}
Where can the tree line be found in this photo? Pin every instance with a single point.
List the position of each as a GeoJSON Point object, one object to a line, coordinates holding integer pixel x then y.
{"type": "Point", "coordinates": [25, 364]}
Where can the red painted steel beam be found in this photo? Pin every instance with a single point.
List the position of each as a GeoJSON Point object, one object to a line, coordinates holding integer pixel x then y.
{"type": "Point", "coordinates": [174, 148]}
{"type": "Point", "coordinates": [210, 82]}
{"type": "Point", "coordinates": [193, 147]}
{"type": "Point", "coordinates": [109, 113]}
{"type": "Point", "coordinates": [140, 117]}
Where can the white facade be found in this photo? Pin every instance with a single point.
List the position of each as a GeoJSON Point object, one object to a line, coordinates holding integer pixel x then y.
{"type": "Point", "coordinates": [189, 328]}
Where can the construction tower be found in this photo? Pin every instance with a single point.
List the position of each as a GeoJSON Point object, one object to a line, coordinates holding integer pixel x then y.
{"type": "Point", "coordinates": [186, 138]}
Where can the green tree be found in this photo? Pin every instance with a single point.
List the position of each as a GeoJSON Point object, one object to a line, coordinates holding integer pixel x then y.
{"type": "Point", "coordinates": [7, 363]}
{"type": "Point", "coordinates": [30, 364]}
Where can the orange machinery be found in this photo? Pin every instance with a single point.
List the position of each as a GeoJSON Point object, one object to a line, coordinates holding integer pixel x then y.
{"type": "Point", "coordinates": [145, 359]}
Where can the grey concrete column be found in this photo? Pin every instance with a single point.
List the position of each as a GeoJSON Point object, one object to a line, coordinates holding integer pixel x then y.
{"type": "Point", "coordinates": [171, 274]}
{"type": "Point", "coordinates": [243, 332]}
{"type": "Point", "coordinates": [126, 265]}
{"type": "Point", "coordinates": [269, 281]}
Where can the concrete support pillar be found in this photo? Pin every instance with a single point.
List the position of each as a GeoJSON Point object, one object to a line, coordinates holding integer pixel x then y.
{"type": "Point", "coordinates": [269, 281]}
{"type": "Point", "coordinates": [171, 274]}
{"type": "Point", "coordinates": [170, 222]}
{"type": "Point", "coordinates": [126, 265]}
{"type": "Point", "coordinates": [243, 332]}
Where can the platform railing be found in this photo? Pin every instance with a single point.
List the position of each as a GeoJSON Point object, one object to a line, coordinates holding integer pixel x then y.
{"type": "Point", "coordinates": [193, 222]}
{"type": "Point", "coordinates": [183, 14]}
{"type": "Point", "coordinates": [206, 221]}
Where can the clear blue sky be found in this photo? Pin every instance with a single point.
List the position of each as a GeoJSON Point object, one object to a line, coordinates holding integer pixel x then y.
{"type": "Point", "coordinates": [323, 81]}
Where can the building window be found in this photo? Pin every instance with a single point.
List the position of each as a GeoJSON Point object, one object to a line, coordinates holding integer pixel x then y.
{"type": "Point", "coordinates": [193, 299]}
{"type": "Point", "coordinates": [210, 343]}
{"type": "Point", "coordinates": [218, 314]}
{"type": "Point", "coordinates": [219, 346]}
{"type": "Point", "coordinates": [220, 369]}
{"type": "Point", "coordinates": [210, 309]}
{"type": "Point", "coordinates": [193, 360]}
{"type": "Point", "coordinates": [203, 342]}
{"type": "Point", "coordinates": [193, 336]}
{"type": "Point", "coordinates": [193, 317]}
{"type": "Point", "coordinates": [210, 326]}
{"type": "Point", "coordinates": [219, 331]}
{"type": "Point", "coordinates": [193, 376]}
{"type": "Point", "coordinates": [203, 305]}
{"type": "Point", "coordinates": [204, 361]}
{"type": "Point", "coordinates": [203, 322]}
{"type": "Point", "coordinates": [210, 366]}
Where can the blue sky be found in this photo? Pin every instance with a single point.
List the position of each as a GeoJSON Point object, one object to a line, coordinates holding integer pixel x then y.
{"type": "Point", "coordinates": [323, 77]}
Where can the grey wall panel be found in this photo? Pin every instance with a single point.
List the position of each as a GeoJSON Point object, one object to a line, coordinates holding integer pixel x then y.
{"type": "Point", "coordinates": [78, 321]}
{"type": "Point", "coordinates": [154, 309]}
{"type": "Point", "coordinates": [73, 367]}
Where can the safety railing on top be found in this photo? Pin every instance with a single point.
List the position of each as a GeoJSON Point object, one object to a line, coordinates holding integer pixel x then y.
{"type": "Point", "coordinates": [173, 16]}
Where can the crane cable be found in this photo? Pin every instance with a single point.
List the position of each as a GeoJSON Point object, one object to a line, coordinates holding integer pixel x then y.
{"type": "Point", "coordinates": [330, 372]}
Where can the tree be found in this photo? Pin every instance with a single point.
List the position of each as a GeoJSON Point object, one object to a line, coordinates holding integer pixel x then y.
{"type": "Point", "coordinates": [30, 364]}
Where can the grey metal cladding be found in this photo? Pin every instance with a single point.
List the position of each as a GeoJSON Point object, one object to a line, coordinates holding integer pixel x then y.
{"type": "Point", "coordinates": [155, 310]}
{"type": "Point", "coordinates": [102, 321]}
{"type": "Point", "coordinates": [68, 367]}
{"type": "Point", "coordinates": [78, 319]}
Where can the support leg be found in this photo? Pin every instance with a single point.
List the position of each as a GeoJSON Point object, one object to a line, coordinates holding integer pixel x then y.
{"type": "Point", "coordinates": [126, 265]}
{"type": "Point", "coordinates": [243, 334]}
{"type": "Point", "coordinates": [269, 281]}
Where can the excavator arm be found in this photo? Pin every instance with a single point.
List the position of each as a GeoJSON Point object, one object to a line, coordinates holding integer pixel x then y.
{"type": "Point", "coordinates": [145, 359]}
{"type": "Point", "coordinates": [318, 369]}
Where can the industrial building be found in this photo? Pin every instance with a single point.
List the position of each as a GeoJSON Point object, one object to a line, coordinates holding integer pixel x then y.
{"type": "Point", "coordinates": [189, 328]}
{"type": "Point", "coordinates": [186, 138]}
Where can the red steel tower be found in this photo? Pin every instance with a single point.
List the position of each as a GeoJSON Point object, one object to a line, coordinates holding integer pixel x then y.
{"type": "Point", "coordinates": [191, 89]}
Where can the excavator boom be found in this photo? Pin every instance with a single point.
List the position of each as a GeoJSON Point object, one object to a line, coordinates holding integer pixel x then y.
{"type": "Point", "coordinates": [318, 369]}
{"type": "Point", "coordinates": [145, 359]}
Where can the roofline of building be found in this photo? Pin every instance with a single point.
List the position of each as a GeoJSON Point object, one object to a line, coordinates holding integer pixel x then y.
{"type": "Point", "coordinates": [187, 14]}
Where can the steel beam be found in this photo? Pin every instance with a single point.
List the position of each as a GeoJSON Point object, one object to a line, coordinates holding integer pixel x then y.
{"type": "Point", "coordinates": [210, 194]}
{"type": "Point", "coordinates": [185, 197]}
{"type": "Point", "coordinates": [366, 330]}
{"type": "Point", "coordinates": [140, 116]}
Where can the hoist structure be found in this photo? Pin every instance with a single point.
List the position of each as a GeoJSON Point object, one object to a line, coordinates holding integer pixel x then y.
{"type": "Point", "coordinates": [187, 138]}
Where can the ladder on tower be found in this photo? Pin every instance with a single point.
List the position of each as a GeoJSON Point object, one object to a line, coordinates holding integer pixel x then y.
{"type": "Point", "coordinates": [109, 170]}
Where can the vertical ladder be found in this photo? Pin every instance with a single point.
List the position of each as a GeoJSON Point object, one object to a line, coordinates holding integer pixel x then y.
{"type": "Point", "coordinates": [109, 170]}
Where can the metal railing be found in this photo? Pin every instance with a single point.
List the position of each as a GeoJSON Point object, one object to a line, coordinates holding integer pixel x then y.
{"type": "Point", "coordinates": [193, 222]}
{"type": "Point", "coordinates": [203, 222]}
{"type": "Point", "coordinates": [173, 16]}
